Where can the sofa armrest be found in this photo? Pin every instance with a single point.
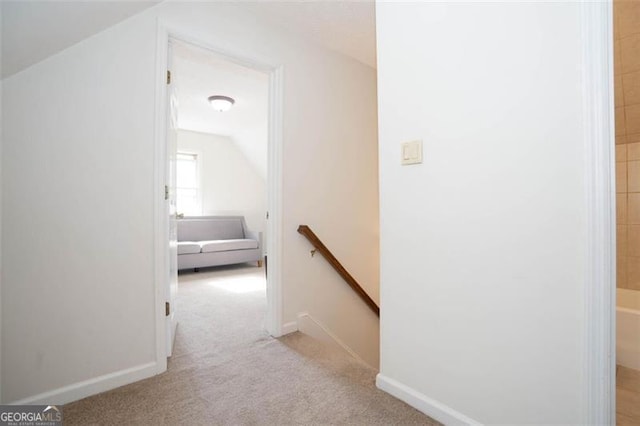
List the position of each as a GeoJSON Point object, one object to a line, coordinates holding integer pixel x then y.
{"type": "Point", "coordinates": [255, 236]}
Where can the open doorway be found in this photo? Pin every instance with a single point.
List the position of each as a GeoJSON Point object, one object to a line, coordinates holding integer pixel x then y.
{"type": "Point", "coordinates": [220, 214]}
{"type": "Point", "coordinates": [221, 141]}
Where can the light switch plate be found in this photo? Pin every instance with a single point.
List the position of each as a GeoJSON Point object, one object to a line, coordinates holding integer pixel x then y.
{"type": "Point", "coordinates": [411, 152]}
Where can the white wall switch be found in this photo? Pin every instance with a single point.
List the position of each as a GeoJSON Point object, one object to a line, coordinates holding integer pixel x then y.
{"type": "Point", "coordinates": [411, 152]}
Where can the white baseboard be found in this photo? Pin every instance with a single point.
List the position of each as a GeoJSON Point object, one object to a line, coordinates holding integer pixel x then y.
{"type": "Point", "coordinates": [430, 407]}
{"type": "Point", "coordinates": [314, 328]}
{"type": "Point", "coordinates": [289, 327]}
{"type": "Point", "coordinates": [93, 386]}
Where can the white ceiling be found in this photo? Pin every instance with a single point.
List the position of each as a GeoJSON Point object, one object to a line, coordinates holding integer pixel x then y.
{"type": "Point", "coordinates": [348, 27]}
{"type": "Point", "coordinates": [35, 30]}
{"type": "Point", "coordinates": [198, 74]}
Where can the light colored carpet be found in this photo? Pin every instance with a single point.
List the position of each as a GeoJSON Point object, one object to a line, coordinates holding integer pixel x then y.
{"type": "Point", "coordinates": [226, 370]}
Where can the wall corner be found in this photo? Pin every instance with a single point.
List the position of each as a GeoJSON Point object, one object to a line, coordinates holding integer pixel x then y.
{"type": "Point", "coordinates": [600, 276]}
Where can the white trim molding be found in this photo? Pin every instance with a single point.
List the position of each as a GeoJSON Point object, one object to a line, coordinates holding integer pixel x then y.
{"type": "Point", "coordinates": [600, 285]}
{"type": "Point", "coordinates": [314, 328]}
{"type": "Point", "coordinates": [289, 327]}
{"type": "Point", "coordinates": [419, 401]}
{"type": "Point", "coordinates": [92, 386]}
{"type": "Point", "coordinates": [161, 234]}
{"type": "Point", "coordinates": [274, 204]}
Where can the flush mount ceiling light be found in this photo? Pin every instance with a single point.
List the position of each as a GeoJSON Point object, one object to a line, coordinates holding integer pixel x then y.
{"type": "Point", "coordinates": [221, 103]}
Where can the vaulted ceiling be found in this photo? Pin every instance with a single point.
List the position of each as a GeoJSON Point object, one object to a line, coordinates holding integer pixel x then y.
{"type": "Point", "coordinates": [348, 27]}
{"type": "Point", "coordinates": [199, 74]}
{"type": "Point", "coordinates": [35, 30]}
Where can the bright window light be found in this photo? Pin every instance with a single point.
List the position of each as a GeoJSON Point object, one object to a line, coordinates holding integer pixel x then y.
{"type": "Point", "coordinates": [187, 190]}
{"type": "Point", "coordinates": [241, 284]}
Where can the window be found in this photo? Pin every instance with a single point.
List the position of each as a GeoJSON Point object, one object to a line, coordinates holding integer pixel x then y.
{"type": "Point", "coordinates": [187, 190]}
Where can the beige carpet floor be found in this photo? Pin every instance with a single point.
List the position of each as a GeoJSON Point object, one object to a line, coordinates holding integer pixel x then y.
{"type": "Point", "coordinates": [226, 370]}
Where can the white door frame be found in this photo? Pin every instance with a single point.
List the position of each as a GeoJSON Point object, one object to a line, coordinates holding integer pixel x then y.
{"type": "Point", "coordinates": [273, 322]}
{"type": "Point", "coordinates": [600, 286]}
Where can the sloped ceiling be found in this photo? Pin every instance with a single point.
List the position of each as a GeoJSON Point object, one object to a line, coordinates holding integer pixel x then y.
{"type": "Point", "coordinates": [348, 27]}
{"type": "Point", "coordinates": [198, 74]}
{"type": "Point", "coordinates": [35, 30]}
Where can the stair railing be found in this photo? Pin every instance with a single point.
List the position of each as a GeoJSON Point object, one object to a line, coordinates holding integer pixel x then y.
{"type": "Point", "coordinates": [326, 253]}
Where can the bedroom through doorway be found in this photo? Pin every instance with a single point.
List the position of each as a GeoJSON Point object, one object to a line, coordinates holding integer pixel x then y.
{"type": "Point", "coordinates": [220, 167]}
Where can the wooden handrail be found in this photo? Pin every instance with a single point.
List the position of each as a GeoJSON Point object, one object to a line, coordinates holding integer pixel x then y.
{"type": "Point", "coordinates": [324, 251]}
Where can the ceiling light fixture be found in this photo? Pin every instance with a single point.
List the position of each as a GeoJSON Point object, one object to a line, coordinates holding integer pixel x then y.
{"type": "Point", "coordinates": [221, 103]}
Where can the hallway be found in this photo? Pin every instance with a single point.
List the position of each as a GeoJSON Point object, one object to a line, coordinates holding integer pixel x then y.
{"type": "Point", "coordinates": [227, 370]}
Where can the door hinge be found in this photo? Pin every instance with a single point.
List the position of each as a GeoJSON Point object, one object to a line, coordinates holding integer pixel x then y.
{"type": "Point", "coordinates": [267, 215]}
{"type": "Point", "coordinates": [167, 308]}
{"type": "Point", "coordinates": [168, 77]}
{"type": "Point", "coordinates": [166, 192]}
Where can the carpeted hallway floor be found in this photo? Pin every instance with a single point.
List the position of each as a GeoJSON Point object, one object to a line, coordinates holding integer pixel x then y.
{"type": "Point", "coordinates": [227, 371]}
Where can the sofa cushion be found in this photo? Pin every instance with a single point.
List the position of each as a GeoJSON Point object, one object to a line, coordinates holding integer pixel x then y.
{"type": "Point", "coordinates": [188, 247]}
{"type": "Point", "coordinates": [210, 228]}
{"type": "Point", "coordinates": [226, 245]}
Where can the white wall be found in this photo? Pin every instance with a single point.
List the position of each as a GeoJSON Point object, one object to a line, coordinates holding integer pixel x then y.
{"type": "Point", "coordinates": [483, 244]}
{"type": "Point", "coordinates": [330, 185]}
{"type": "Point", "coordinates": [78, 214]}
{"type": "Point", "coordinates": [229, 183]}
{"type": "Point", "coordinates": [77, 199]}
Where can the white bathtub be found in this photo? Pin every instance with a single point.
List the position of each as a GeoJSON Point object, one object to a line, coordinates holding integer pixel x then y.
{"type": "Point", "coordinates": [628, 328]}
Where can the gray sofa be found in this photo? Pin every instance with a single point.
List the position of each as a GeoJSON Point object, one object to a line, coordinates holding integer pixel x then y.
{"type": "Point", "coordinates": [216, 240]}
